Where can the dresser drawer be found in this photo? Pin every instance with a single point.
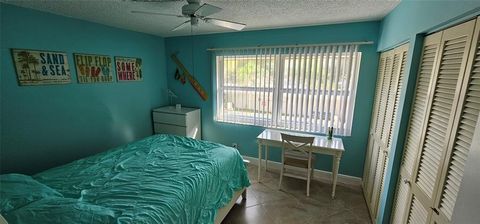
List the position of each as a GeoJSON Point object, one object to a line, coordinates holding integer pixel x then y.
{"type": "Point", "coordinates": [166, 118]}
{"type": "Point", "coordinates": [169, 129]}
{"type": "Point", "coordinates": [185, 121]}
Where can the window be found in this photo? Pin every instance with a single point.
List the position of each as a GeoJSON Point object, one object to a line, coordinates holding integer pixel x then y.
{"type": "Point", "coordinates": [304, 88]}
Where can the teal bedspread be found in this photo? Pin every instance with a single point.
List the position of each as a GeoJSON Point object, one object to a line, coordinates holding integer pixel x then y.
{"type": "Point", "coordinates": [160, 179]}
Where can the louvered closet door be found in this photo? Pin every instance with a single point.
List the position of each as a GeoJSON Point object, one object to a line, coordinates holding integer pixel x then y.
{"type": "Point", "coordinates": [400, 56]}
{"type": "Point", "coordinates": [373, 147]}
{"type": "Point", "coordinates": [377, 157]}
{"type": "Point", "coordinates": [369, 168]}
{"type": "Point", "coordinates": [448, 76]}
{"type": "Point", "coordinates": [460, 142]}
{"type": "Point", "coordinates": [378, 88]}
{"type": "Point", "coordinates": [416, 123]}
{"type": "Point", "coordinates": [384, 118]}
{"type": "Point", "coordinates": [394, 90]}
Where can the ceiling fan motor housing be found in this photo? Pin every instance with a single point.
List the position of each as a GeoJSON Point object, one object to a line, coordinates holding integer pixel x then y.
{"type": "Point", "coordinates": [189, 9]}
{"type": "Point", "coordinates": [194, 21]}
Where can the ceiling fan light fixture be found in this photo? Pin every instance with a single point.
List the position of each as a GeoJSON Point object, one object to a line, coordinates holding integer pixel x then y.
{"type": "Point", "coordinates": [196, 11]}
{"type": "Point", "coordinates": [194, 21]}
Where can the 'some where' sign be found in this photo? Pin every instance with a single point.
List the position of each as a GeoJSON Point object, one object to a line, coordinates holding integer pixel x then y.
{"type": "Point", "coordinates": [128, 69]}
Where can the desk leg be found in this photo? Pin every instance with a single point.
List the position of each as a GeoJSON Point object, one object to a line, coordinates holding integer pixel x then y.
{"type": "Point", "coordinates": [259, 162]}
{"type": "Point", "coordinates": [266, 157]}
{"type": "Point", "coordinates": [336, 164]}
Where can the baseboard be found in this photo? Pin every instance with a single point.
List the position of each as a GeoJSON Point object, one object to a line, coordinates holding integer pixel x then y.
{"type": "Point", "coordinates": [320, 175]}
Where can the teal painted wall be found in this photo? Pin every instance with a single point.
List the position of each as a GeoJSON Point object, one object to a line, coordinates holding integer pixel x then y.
{"type": "Point", "coordinates": [411, 17]}
{"type": "Point", "coordinates": [409, 22]}
{"type": "Point", "coordinates": [245, 136]}
{"type": "Point", "coordinates": [45, 126]}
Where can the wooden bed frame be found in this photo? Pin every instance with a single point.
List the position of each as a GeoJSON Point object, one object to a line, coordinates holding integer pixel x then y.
{"type": "Point", "coordinates": [222, 212]}
{"type": "Point", "coordinates": [3, 220]}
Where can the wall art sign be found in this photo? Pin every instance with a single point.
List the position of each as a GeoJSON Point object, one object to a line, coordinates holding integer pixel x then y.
{"type": "Point", "coordinates": [93, 68]}
{"type": "Point", "coordinates": [37, 67]}
{"type": "Point", "coordinates": [128, 69]}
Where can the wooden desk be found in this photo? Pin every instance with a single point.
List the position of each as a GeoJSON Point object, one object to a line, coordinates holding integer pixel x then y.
{"type": "Point", "coordinates": [321, 145]}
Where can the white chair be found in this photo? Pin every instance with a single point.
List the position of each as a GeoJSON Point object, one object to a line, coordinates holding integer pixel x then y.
{"type": "Point", "coordinates": [296, 152]}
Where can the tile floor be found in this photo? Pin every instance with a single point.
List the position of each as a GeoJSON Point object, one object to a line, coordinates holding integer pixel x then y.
{"type": "Point", "coordinates": [266, 204]}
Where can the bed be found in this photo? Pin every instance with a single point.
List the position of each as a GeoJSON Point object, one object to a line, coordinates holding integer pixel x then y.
{"type": "Point", "coordinates": [160, 179]}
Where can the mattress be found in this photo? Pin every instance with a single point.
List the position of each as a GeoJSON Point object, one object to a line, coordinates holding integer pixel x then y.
{"type": "Point", "coordinates": [160, 179]}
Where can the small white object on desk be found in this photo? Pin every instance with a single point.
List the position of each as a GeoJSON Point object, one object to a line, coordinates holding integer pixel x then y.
{"type": "Point", "coordinates": [321, 145]}
{"type": "Point", "coordinates": [183, 122]}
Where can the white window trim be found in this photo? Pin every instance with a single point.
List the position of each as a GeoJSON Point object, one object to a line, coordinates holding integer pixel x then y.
{"type": "Point", "coordinates": [279, 71]}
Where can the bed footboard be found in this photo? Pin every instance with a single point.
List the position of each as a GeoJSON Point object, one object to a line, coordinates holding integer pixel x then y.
{"type": "Point", "coordinates": [222, 212]}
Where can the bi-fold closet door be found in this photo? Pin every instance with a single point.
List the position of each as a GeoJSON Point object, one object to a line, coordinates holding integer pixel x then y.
{"type": "Point", "coordinates": [391, 76]}
{"type": "Point", "coordinates": [444, 113]}
{"type": "Point", "coordinates": [431, 45]}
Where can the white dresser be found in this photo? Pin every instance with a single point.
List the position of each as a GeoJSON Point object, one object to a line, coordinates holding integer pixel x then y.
{"type": "Point", "coordinates": [183, 122]}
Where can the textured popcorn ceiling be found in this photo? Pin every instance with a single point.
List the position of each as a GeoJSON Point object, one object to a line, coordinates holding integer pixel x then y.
{"type": "Point", "coordinates": [257, 14]}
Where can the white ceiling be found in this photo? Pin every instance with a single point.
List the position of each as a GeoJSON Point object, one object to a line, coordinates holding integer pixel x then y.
{"type": "Point", "coordinates": [257, 14]}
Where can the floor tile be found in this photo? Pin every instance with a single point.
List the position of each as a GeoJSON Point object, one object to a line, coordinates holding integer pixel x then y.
{"type": "Point", "coordinates": [267, 204]}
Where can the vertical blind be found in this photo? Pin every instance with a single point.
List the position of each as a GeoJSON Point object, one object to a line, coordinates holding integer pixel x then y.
{"type": "Point", "coordinates": [301, 88]}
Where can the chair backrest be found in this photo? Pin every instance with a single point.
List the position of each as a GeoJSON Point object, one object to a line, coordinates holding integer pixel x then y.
{"type": "Point", "coordinates": [297, 143]}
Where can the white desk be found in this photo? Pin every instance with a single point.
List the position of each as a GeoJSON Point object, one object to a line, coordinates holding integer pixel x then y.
{"type": "Point", "coordinates": [321, 145]}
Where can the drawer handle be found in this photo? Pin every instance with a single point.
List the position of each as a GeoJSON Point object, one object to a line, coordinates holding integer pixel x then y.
{"type": "Point", "coordinates": [435, 210]}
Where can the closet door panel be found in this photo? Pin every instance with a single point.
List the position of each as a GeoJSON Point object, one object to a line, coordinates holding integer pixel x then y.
{"type": "Point", "coordinates": [402, 54]}
{"type": "Point", "coordinates": [392, 90]}
{"type": "Point", "coordinates": [385, 101]}
{"type": "Point", "coordinates": [418, 114]}
{"type": "Point", "coordinates": [380, 116]}
{"type": "Point", "coordinates": [369, 161]}
{"type": "Point", "coordinates": [372, 168]}
{"type": "Point", "coordinates": [416, 123]}
{"type": "Point", "coordinates": [379, 173]}
{"type": "Point", "coordinates": [396, 84]}
{"type": "Point", "coordinates": [462, 134]}
{"type": "Point", "coordinates": [418, 213]}
{"type": "Point", "coordinates": [442, 107]}
{"type": "Point", "coordinates": [389, 86]}
{"type": "Point", "coordinates": [402, 196]}
{"type": "Point", "coordinates": [377, 162]}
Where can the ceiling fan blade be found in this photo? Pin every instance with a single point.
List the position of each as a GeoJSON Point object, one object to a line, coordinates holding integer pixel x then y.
{"type": "Point", "coordinates": [155, 13]}
{"type": "Point", "coordinates": [226, 24]}
{"type": "Point", "coordinates": [181, 26]}
{"type": "Point", "coordinates": [207, 9]}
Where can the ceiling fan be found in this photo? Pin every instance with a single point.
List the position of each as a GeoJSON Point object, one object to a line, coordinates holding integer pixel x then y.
{"type": "Point", "coordinates": [195, 12]}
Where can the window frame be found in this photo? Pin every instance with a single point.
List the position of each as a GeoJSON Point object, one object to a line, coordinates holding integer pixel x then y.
{"type": "Point", "coordinates": [277, 98]}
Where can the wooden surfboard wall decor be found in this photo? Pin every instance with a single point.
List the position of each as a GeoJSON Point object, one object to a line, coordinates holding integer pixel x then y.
{"type": "Point", "coordinates": [195, 84]}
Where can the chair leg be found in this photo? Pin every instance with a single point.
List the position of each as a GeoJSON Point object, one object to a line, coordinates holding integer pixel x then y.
{"type": "Point", "coordinates": [281, 177]}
